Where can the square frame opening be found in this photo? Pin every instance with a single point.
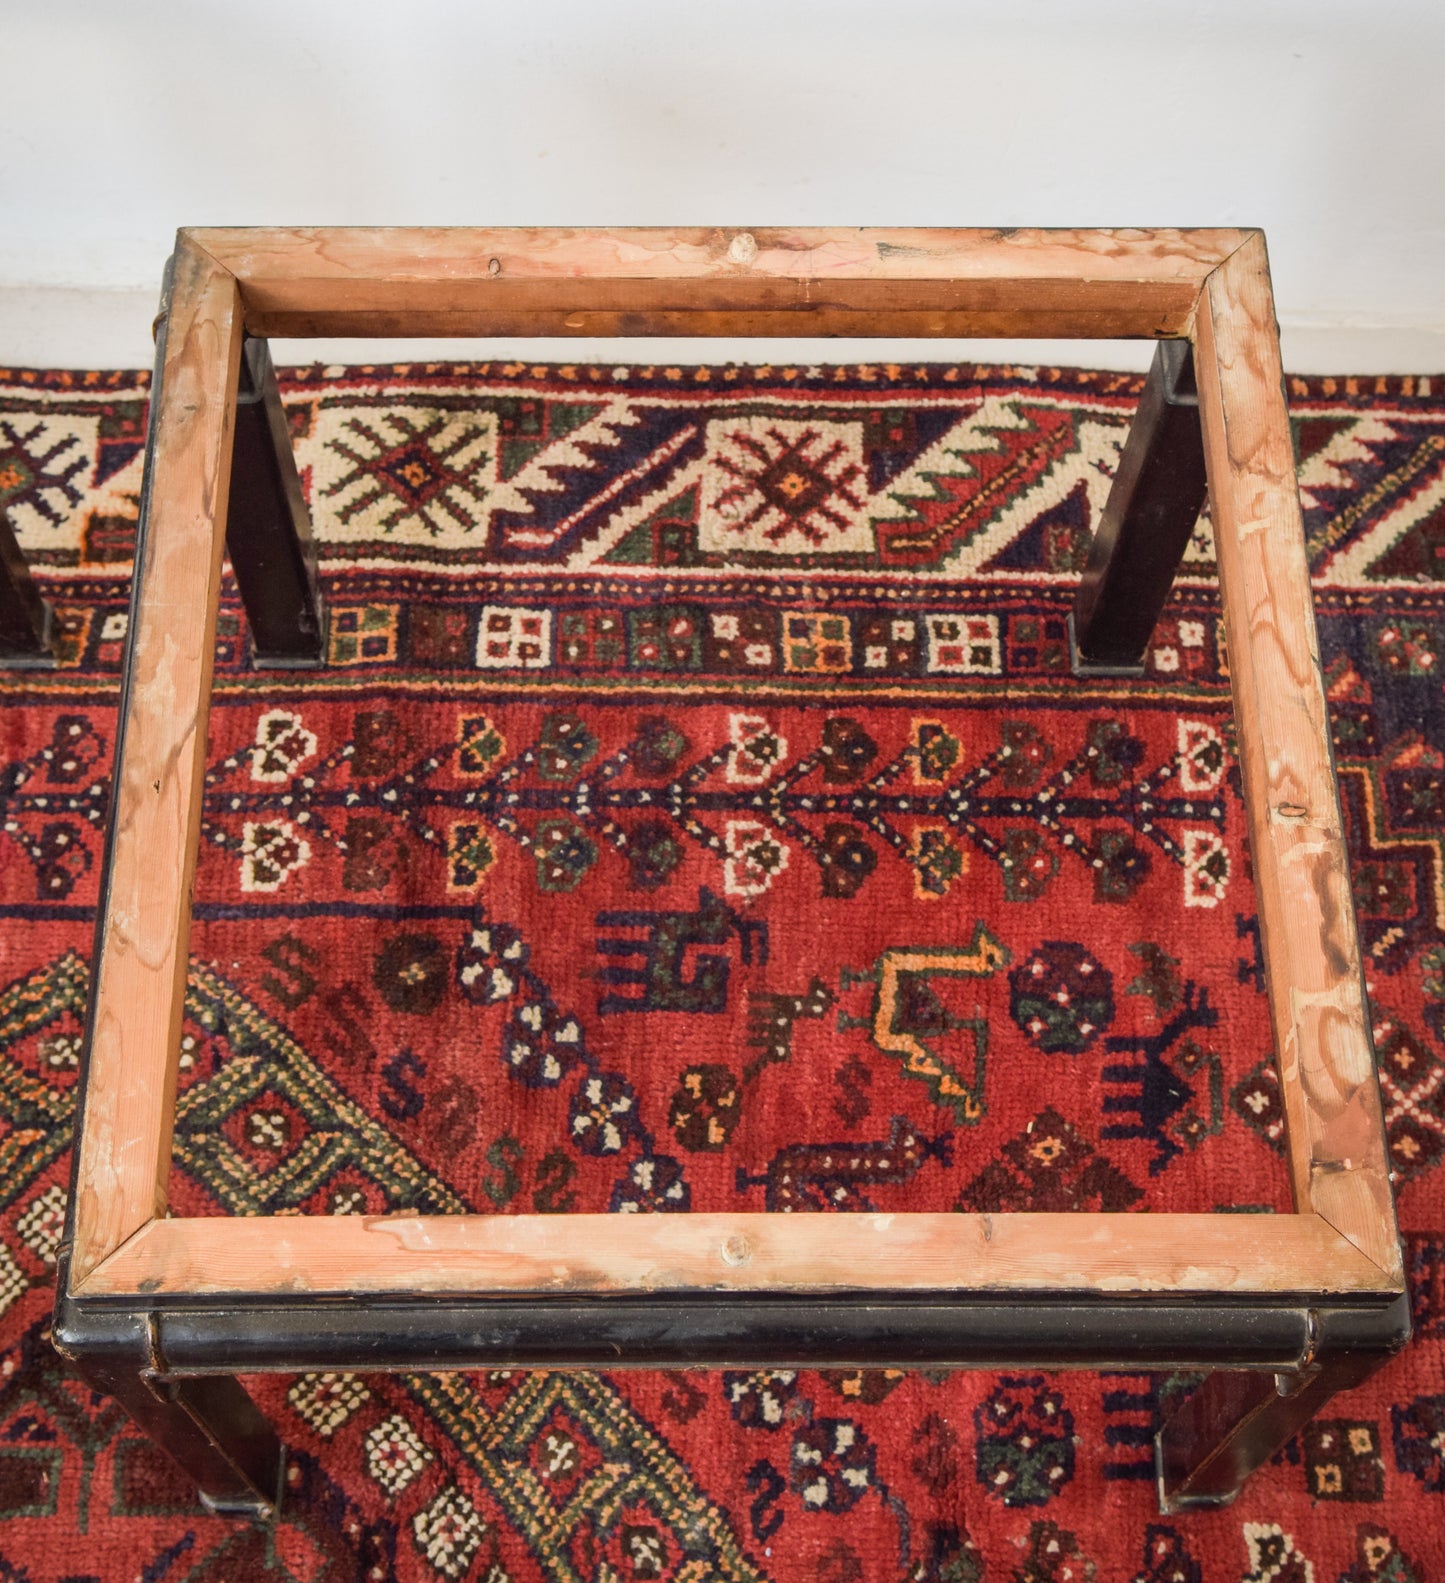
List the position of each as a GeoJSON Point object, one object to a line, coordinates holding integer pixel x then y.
{"type": "Point", "coordinates": [1210, 287]}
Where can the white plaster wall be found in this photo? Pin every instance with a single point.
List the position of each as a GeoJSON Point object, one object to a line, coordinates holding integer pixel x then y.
{"type": "Point", "coordinates": [1320, 120]}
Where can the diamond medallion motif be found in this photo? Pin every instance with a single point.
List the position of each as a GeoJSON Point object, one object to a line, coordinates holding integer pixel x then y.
{"type": "Point", "coordinates": [405, 472]}
{"type": "Point", "coordinates": [780, 487]}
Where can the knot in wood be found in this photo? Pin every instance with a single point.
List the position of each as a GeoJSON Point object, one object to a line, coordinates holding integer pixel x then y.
{"type": "Point", "coordinates": [736, 1250]}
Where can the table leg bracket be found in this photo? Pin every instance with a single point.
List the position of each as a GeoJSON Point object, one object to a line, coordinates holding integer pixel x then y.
{"type": "Point", "coordinates": [1236, 1420]}
{"type": "Point", "coordinates": [208, 1425]}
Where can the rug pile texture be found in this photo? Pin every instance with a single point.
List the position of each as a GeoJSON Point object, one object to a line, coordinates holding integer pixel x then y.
{"type": "Point", "coordinates": [698, 813]}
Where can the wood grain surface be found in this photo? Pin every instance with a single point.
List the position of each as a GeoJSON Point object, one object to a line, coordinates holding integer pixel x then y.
{"type": "Point", "coordinates": [1338, 1162]}
{"type": "Point", "coordinates": [1100, 283]}
{"type": "Point", "coordinates": [503, 1255]}
{"type": "Point", "coordinates": [139, 979]}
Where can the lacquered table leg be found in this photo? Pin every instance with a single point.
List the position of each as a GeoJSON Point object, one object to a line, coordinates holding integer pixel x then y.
{"type": "Point", "coordinates": [1151, 511]}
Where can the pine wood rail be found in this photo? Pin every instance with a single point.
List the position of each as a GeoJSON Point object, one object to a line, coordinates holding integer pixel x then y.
{"type": "Point", "coordinates": [506, 1254]}
{"type": "Point", "coordinates": [307, 282]}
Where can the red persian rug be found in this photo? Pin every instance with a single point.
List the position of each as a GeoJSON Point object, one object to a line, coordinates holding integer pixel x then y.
{"type": "Point", "coordinates": [698, 813]}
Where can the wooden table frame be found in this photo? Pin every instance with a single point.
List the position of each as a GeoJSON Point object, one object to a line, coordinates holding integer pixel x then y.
{"type": "Point", "coordinates": [1289, 1308]}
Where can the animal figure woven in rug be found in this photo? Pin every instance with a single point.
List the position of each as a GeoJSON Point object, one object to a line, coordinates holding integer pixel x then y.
{"type": "Point", "coordinates": [698, 813]}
